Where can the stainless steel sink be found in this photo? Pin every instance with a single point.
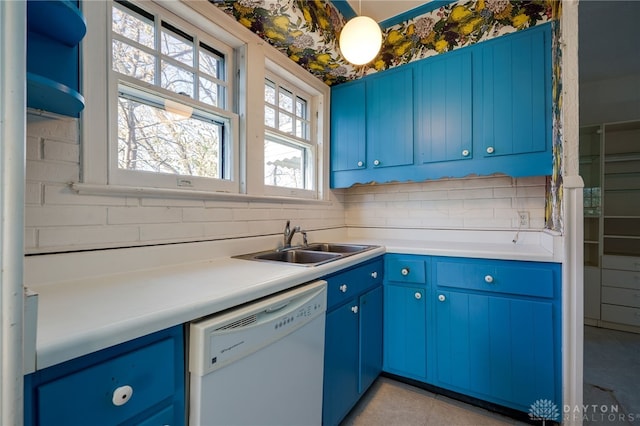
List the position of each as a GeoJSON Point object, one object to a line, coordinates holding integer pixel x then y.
{"type": "Point", "coordinates": [310, 255]}
{"type": "Point", "coordinates": [297, 256]}
{"type": "Point", "coordinates": [338, 248]}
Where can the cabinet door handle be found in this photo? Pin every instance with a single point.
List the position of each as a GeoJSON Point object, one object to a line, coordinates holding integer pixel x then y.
{"type": "Point", "coordinates": [360, 164]}
{"type": "Point", "coordinates": [418, 295]}
{"type": "Point", "coordinates": [488, 279]}
{"type": "Point", "coordinates": [354, 309]}
{"type": "Point", "coordinates": [376, 162]}
{"type": "Point", "coordinates": [122, 395]}
{"type": "Point", "coordinates": [374, 274]}
{"type": "Point", "coordinates": [404, 271]}
{"type": "Point", "coordinates": [465, 153]}
{"type": "Point", "coordinates": [442, 298]}
{"type": "Point", "coordinates": [490, 150]}
{"type": "Point", "coordinates": [343, 288]}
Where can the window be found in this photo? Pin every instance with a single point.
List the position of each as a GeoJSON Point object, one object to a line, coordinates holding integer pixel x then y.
{"type": "Point", "coordinates": [174, 125]}
{"type": "Point", "coordinates": [289, 145]}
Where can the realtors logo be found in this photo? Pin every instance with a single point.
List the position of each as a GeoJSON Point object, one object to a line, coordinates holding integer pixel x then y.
{"type": "Point", "coordinates": [544, 409]}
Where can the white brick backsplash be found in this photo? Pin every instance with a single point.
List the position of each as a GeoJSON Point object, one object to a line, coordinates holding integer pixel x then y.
{"type": "Point", "coordinates": [80, 236]}
{"type": "Point", "coordinates": [33, 193]}
{"type": "Point", "coordinates": [122, 215]}
{"type": "Point", "coordinates": [64, 215]}
{"type": "Point", "coordinates": [61, 128]}
{"type": "Point", "coordinates": [226, 229]}
{"type": "Point", "coordinates": [33, 148]}
{"type": "Point", "coordinates": [50, 171]}
{"type": "Point", "coordinates": [63, 194]}
{"type": "Point", "coordinates": [176, 202]}
{"type": "Point", "coordinates": [172, 232]}
{"type": "Point", "coordinates": [207, 215]}
{"type": "Point", "coordinates": [60, 151]}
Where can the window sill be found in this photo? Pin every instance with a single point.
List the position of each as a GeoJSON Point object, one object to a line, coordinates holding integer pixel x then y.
{"type": "Point", "coordinates": [143, 192]}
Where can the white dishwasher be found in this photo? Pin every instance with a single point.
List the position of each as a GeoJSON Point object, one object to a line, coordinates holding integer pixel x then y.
{"type": "Point", "coordinates": [260, 363]}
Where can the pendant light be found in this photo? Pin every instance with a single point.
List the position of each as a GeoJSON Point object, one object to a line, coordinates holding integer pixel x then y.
{"type": "Point", "coordinates": [360, 39]}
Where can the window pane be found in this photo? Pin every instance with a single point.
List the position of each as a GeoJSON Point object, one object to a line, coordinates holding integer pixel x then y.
{"type": "Point", "coordinates": [177, 47]}
{"type": "Point", "coordinates": [285, 123]}
{"type": "Point", "coordinates": [133, 62]}
{"type": "Point", "coordinates": [302, 129]}
{"type": "Point", "coordinates": [155, 140]}
{"type": "Point", "coordinates": [270, 93]}
{"type": "Point", "coordinates": [285, 100]}
{"type": "Point", "coordinates": [210, 64]}
{"type": "Point", "coordinates": [133, 27]}
{"type": "Point", "coordinates": [211, 93]}
{"type": "Point", "coordinates": [301, 108]}
{"type": "Point", "coordinates": [177, 79]}
{"type": "Point", "coordinates": [269, 116]}
{"type": "Point", "coordinates": [283, 165]}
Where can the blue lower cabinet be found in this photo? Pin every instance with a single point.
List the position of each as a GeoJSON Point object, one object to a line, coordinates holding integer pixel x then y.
{"type": "Point", "coordinates": [353, 348]}
{"type": "Point", "coordinates": [137, 382]}
{"type": "Point", "coordinates": [405, 331]}
{"type": "Point", "coordinates": [495, 338]}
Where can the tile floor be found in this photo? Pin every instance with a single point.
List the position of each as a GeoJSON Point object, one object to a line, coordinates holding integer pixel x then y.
{"type": "Point", "coordinates": [611, 392]}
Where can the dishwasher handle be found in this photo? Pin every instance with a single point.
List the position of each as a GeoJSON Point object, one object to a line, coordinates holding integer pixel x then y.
{"type": "Point", "coordinates": [275, 308]}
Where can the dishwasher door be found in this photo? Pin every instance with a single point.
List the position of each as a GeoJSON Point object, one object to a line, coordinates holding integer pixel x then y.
{"type": "Point", "coordinates": [262, 363]}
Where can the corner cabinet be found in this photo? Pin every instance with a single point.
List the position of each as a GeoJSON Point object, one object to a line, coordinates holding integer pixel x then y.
{"type": "Point", "coordinates": [353, 338]}
{"type": "Point", "coordinates": [485, 328]}
{"type": "Point", "coordinates": [497, 330]}
{"type": "Point", "coordinates": [478, 110]}
{"type": "Point", "coordinates": [137, 382]}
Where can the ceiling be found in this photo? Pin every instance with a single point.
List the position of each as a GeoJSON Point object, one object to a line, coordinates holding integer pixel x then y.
{"type": "Point", "coordinates": [609, 45]}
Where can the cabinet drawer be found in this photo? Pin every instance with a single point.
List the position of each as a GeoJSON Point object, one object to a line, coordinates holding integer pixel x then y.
{"type": "Point", "coordinates": [621, 296]}
{"type": "Point", "coordinates": [627, 263]}
{"type": "Point", "coordinates": [345, 285]}
{"type": "Point", "coordinates": [624, 279]}
{"type": "Point", "coordinates": [621, 314]}
{"type": "Point", "coordinates": [405, 269]}
{"type": "Point", "coordinates": [495, 276]}
{"type": "Point", "coordinates": [88, 395]}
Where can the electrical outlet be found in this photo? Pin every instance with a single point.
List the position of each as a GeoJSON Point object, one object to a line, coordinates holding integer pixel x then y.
{"type": "Point", "coordinates": [523, 219]}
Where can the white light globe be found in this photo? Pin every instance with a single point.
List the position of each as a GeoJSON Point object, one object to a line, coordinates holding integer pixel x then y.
{"type": "Point", "coordinates": [360, 40]}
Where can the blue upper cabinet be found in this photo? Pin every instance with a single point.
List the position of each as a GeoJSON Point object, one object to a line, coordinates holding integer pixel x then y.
{"type": "Point", "coordinates": [348, 127]}
{"type": "Point", "coordinates": [480, 110]}
{"type": "Point", "coordinates": [513, 91]}
{"type": "Point", "coordinates": [54, 31]}
{"type": "Point", "coordinates": [442, 107]}
{"type": "Point", "coordinates": [389, 118]}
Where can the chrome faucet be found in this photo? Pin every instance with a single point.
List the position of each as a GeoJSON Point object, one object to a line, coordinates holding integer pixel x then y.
{"type": "Point", "coordinates": [288, 234]}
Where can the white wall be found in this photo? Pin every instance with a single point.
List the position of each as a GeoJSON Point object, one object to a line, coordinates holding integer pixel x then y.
{"type": "Point", "coordinates": [610, 100]}
{"type": "Point", "coordinates": [58, 219]}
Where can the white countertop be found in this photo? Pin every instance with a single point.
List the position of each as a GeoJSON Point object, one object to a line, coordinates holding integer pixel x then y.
{"type": "Point", "coordinates": [96, 310]}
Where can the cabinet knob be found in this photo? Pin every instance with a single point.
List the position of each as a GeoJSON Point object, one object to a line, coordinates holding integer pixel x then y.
{"type": "Point", "coordinates": [488, 279]}
{"type": "Point", "coordinates": [343, 288]}
{"type": "Point", "coordinates": [465, 153]}
{"type": "Point", "coordinates": [360, 164]}
{"type": "Point", "coordinates": [376, 162]}
{"type": "Point", "coordinates": [354, 309]}
{"type": "Point", "coordinates": [418, 296]}
{"type": "Point", "coordinates": [122, 395]}
{"type": "Point", "coordinates": [404, 271]}
{"type": "Point", "coordinates": [374, 274]}
{"type": "Point", "coordinates": [490, 150]}
{"type": "Point", "coordinates": [442, 298]}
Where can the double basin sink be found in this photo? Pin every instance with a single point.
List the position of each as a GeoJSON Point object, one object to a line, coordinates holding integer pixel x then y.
{"type": "Point", "coordinates": [310, 255]}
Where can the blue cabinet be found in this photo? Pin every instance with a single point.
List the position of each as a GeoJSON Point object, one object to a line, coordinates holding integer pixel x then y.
{"type": "Point", "coordinates": [54, 31]}
{"type": "Point", "coordinates": [353, 338]}
{"type": "Point", "coordinates": [348, 134]}
{"type": "Point", "coordinates": [480, 110]}
{"type": "Point", "coordinates": [137, 382]}
{"type": "Point", "coordinates": [405, 316]}
{"type": "Point", "coordinates": [371, 126]}
{"type": "Point", "coordinates": [497, 330]}
{"type": "Point", "coordinates": [443, 107]}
